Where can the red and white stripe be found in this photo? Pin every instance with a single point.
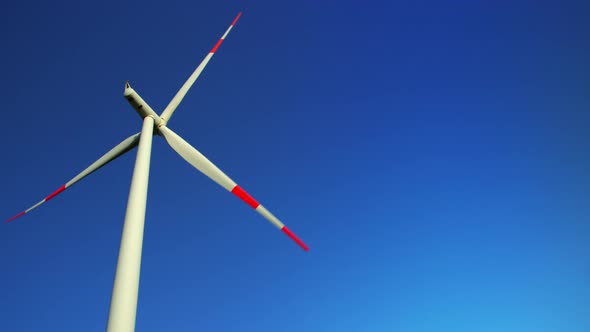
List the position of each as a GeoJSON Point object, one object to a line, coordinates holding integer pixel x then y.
{"type": "Point", "coordinates": [243, 195]}
{"type": "Point", "coordinates": [169, 110]}
{"type": "Point", "coordinates": [55, 193]}
{"type": "Point", "coordinates": [113, 154]}
{"type": "Point", "coordinates": [214, 49]}
{"type": "Point", "coordinates": [200, 162]}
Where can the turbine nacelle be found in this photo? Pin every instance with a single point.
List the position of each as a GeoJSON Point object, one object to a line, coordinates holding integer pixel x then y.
{"type": "Point", "coordinates": [139, 105]}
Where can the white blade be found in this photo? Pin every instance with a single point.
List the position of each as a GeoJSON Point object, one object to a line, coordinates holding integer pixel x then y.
{"type": "Point", "coordinates": [200, 162]}
{"type": "Point", "coordinates": [113, 154]}
{"type": "Point", "coordinates": [169, 110]}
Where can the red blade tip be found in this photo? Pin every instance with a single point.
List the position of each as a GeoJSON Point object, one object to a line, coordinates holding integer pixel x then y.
{"type": "Point", "coordinates": [236, 19]}
{"type": "Point", "coordinates": [295, 238]}
{"type": "Point", "coordinates": [18, 215]}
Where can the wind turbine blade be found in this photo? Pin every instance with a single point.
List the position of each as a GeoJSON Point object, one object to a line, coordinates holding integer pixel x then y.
{"type": "Point", "coordinates": [169, 110]}
{"type": "Point", "coordinates": [113, 154]}
{"type": "Point", "coordinates": [200, 162]}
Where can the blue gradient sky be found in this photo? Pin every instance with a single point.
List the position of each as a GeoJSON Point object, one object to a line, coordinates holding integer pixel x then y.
{"type": "Point", "coordinates": [435, 157]}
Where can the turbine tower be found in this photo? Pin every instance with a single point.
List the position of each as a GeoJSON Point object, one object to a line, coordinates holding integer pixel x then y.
{"type": "Point", "coordinates": [123, 306]}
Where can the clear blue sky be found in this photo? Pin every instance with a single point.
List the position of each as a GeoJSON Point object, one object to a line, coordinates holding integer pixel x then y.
{"type": "Point", "coordinates": [433, 155]}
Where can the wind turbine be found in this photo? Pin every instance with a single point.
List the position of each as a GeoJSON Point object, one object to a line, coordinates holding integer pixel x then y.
{"type": "Point", "coordinates": [123, 306]}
